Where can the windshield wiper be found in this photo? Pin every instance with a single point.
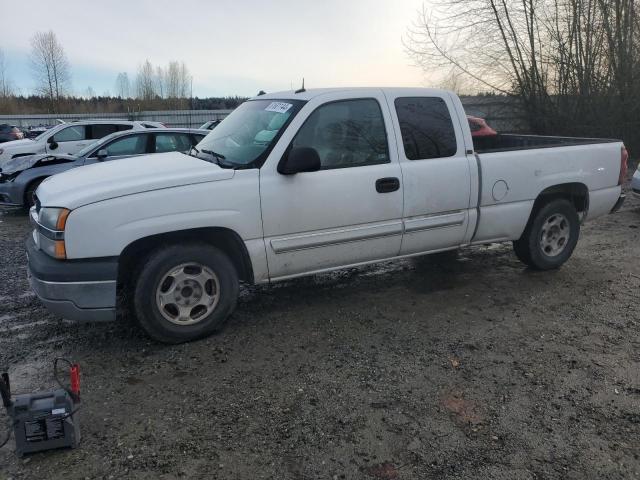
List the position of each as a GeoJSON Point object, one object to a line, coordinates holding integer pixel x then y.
{"type": "Point", "coordinates": [214, 154]}
{"type": "Point", "coordinates": [219, 159]}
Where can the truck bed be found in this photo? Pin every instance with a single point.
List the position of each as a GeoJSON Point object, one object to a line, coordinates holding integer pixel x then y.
{"type": "Point", "coordinates": [518, 167]}
{"type": "Point", "coordinates": [509, 142]}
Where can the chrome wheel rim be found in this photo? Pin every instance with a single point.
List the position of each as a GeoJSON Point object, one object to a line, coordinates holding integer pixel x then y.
{"type": "Point", "coordinates": [555, 234]}
{"type": "Point", "coordinates": [188, 293]}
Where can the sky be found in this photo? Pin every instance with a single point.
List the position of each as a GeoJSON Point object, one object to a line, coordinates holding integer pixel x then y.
{"type": "Point", "coordinates": [233, 47]}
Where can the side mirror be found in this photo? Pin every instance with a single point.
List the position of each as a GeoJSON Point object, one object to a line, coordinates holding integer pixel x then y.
{"type": "Point", "coordinates": [102, 154]}
{"type": "Point", "coordinates": [52, 143]}
{"type": "Point", "coordinates": [300, 159]}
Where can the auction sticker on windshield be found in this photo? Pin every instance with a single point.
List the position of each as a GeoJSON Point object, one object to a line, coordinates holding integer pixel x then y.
{"type": "Point", "coordinates": [278, 107]}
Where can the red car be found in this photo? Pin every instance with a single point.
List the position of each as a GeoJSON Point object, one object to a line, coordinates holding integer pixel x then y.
{"type": "Point", "coordinates": [479, 127]}
{"type": "Point", "coordinates": [9, 133]}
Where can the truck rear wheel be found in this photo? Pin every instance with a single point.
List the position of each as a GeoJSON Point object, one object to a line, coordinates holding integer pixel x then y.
{"type": "Point", "coordinates": [550, 237]}
{"type": "Point", "coordinates": [185, 292]}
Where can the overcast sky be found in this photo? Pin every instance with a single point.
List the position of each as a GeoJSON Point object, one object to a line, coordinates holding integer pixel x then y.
{"type": "Point", "coordinates": [235, 47]}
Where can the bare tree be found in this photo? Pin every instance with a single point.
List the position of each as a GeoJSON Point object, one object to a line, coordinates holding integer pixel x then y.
{"type": "Point", "coordinates": [145, 81]}
{"type": "Point", "coordinates": [123, 86]}
{"type": "Point", "coordinates": [178, 82]}
{"type": "Point", "coordinates": [50, 67]}
{"type": "Point", "coordinates": [6, 87]}
{"type": "Point", "coordinates": [569, 61]}
{"type": "Point", "coordinates": [160, 82]}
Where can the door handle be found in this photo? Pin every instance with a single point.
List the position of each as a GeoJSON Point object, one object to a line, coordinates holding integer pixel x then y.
{"type": "Point", "coordinates": [388, 184]}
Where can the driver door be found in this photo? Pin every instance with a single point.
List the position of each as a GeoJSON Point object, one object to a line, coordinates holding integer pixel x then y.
{"type": "Point", "coordinates": [69, 140]}
{"type": "Point", "coordinates": [342, 214]}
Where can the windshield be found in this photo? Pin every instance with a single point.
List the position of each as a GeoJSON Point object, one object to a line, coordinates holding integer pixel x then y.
{"type": "Point", "coordinates": [248, 132]}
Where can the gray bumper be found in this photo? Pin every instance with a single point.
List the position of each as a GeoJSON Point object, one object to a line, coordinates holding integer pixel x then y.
{"type": "Point", "coordinates": [74, 289]}
{"type": "Point", "coordinates": [11, 194]}
{"type": "Point", "coordinates": [86, 301]}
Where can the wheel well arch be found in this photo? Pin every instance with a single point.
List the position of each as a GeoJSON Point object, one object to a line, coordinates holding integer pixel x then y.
{"type": "Point", "coordinates": [576, 193]}
{"type": "Point", "coordinates": [225, 239]}
{"type": "Point", "coordinates": [28, 186]}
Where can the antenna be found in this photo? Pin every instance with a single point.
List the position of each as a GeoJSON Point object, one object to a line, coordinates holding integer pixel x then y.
{"type": "Point", "coordinates": [190, 99]}
{"type": "Point", "coordinates": [300, 90]}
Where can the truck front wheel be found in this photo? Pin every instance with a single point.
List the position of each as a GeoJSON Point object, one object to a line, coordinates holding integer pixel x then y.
{"type": "Point", "coordinates": [550, 237]}
{"type": "Point", "coordinates": [185, 292]}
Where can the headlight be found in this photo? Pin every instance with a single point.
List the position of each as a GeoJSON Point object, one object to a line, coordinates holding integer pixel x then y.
{"type": "Point", "coordinates": [8, 177]}
{"type": "Point", "coordinates": [53, 218]}
{"type": "Point", "coordinates": [51, 223]}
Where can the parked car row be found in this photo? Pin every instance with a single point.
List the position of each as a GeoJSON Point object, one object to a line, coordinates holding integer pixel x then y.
{"type": "Point", "coordinates": [68, 138]}
{"type": "Point", "coordinates": [296, 183]}
{"type": "Point", "coordinates": [21, 175]}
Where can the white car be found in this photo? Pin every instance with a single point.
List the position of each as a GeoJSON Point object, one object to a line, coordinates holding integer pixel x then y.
{"type": "Point", "coordinates": [297, 183]}
{"type": "Point", "coordinates": [69, 138]}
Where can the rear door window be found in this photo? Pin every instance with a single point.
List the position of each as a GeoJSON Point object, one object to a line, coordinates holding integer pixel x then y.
{"type": "Point", "coordinates": [99, 130]}
{"type": "Point", "coordinates": [426, 128]}
{"type": "Point", "coordinates": [172, 142]}
{"type": "Point", "coordinates": [130, 145]}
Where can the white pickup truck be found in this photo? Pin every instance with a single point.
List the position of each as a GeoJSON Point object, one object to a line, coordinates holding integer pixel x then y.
{"type": "Point", "coordinates": [297, 183]}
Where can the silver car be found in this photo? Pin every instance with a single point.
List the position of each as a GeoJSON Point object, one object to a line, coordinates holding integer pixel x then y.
{"type": "Point", "coordinates": [20, 177]}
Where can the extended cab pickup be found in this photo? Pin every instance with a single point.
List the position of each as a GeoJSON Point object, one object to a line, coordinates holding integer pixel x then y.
{"type": "Point", "coordinates": [297, 183]}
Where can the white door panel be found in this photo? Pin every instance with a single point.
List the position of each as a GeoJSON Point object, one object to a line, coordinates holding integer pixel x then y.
{"type": "Point", "coordinates": [329, 218]}
{"type": "Point", "coordinates": [436, 190]}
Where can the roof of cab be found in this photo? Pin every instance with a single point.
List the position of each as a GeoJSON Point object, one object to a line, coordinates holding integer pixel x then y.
{"type": "Point", "coordinates": [314, 92]}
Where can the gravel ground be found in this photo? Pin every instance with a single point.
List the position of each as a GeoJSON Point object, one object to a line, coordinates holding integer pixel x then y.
{"type": "Point", "coordinates": [469, 368]}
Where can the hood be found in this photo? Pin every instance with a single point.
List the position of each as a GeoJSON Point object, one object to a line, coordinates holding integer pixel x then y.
{"type": "Point", "coordinates": [102, 181]}
{"type": "Point", "coordinates": [23, 163]}
{"type": "Point", "coordinates": [16, 143]}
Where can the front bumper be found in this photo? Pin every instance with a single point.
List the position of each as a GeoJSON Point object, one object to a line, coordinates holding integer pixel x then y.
{"type": "Point", "coordinates": [11, 195]}
{"type": "Point", "coordinates": [74, 289]}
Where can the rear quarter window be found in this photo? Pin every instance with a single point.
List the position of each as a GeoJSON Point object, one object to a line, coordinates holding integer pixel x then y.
{"type": "Point", "coordinates": [100, 130]}
{"type": "Point", "coordinates": [426, 128]}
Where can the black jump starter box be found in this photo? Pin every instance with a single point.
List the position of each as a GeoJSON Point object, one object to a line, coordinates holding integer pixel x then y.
{"type": "Point", "coordinates": [44, 420]}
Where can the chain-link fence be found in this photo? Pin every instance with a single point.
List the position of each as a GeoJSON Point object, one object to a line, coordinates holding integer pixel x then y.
{"type": "Point", "coordinates": [505, 114]}
{"type": "Point", "coordinates": [171, 118]}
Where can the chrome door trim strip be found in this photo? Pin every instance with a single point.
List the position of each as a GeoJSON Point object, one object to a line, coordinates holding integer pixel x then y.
{"type": "Point", "coordinates": [335, 237]}
{"type": "Point", "coordinates": [418, 224]}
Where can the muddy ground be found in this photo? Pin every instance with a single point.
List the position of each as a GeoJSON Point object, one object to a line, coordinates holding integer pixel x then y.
{"type": "Point", "coordinates": [471, 368]}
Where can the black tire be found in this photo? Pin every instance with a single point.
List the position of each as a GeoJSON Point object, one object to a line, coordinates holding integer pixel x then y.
{"type": "Point", "coordinates": [155, 269]}
{"type": "Point", "coordinates": [29, 200]}
{"type": "Point", "coordinates": [531, 248]}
